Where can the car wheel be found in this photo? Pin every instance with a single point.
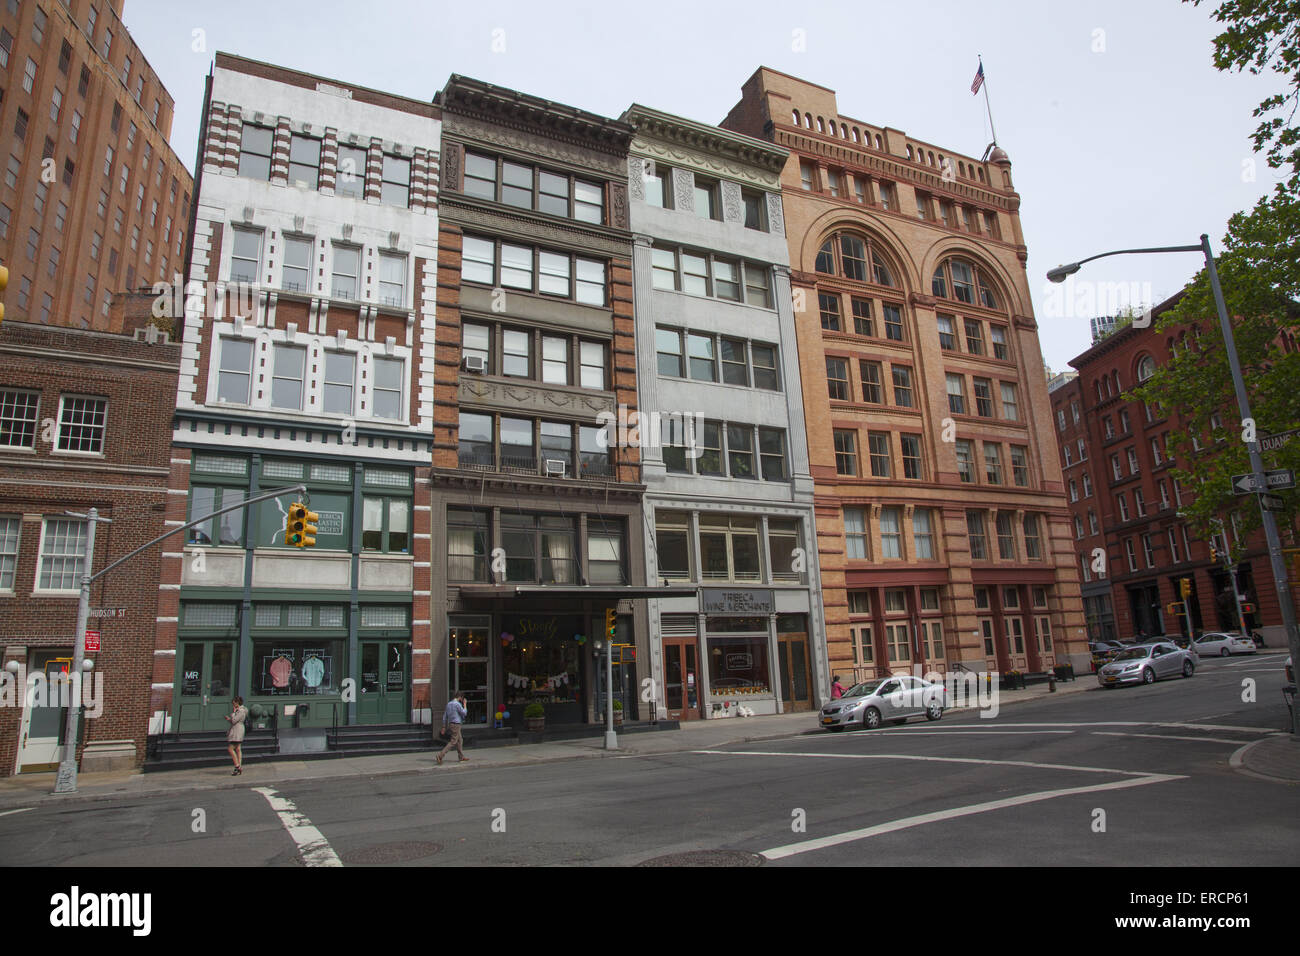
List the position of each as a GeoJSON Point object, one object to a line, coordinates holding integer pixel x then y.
{"type": "Point", "coordinates": [933, 712]}
{"type": "Point", "coordinates": [1188, 668]}
{"type": "Point", "coordinates": [1148, 676]}
{"type": "Point", "coordinates": [1224, 652]}
{"type": "Point", "coordinates": [871, 719]}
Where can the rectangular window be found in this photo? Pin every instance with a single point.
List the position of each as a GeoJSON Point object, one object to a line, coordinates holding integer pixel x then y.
{"type": "Point", "coordinates": [956, 394]}
{"type": "Point", "coordinates": [976, 536]}
{"type": "Point", "coordinates": [287, 377]}
{"type": "Point", "coordinates": [965, 461]}
{"type": "Point", "coordinates": [911, 456]}
{"type": "Point", "coordinates": [255, 152]}
{"type": "Point", "coordinates": [588, 202]}
{"type": "Point", "coordinates": [81, 424]}
{"type": "Point", "coordinates": [392, 279]}
{"type": "Point", "coordinates": [703, 363]}
{"type": "Point", "coordinates": [763, 359]}
{"type": "Point", "coordinates": [757, 287]}
{"type": "Point", "coordinates": [340, 374]}
{"type": "Point", "coordinates": [891, 534]}
{"type": "Point", "coordinates": [740, 451]}
{"type": "Point", "coordinates": [755, 209]}
{"type": "Point", "coordinates": [993, 463]}
{"type": "Point", "coordinates": [837, 379]}
{"type": "Point", "coordinates": [350, 177]}
{"type": "Point", "coordinates": [18, 418]}
{"type": "Point", "coordinates": [668, 347]}
{"type": "Point", "coordinates": [1033, 544]}
{"type": "Point", "coordinates": [706, 198]}
{"type": "Point", "coordinates": [386, 525]}
{"type": "Point", "coordinates": [1020, 466]}
{"type": "Point", "coordinates": [10, 529]}
{"type": "Point", "coordinates": [974, 337]}
{"type": "Point", "coordinates": [304, 161]}
{"type": "Point", "coordinates": [235, 372]}
{"type": "Point", "coordinates": [347, 270]}
{"type": "Point", "coordinates": [878, 449]}
{"type": "Point", "coordinates": [29, 75]}
{"type": "Point", "coordinates": [771, 449]}
{"type": "Point", "coordinates": [893, 322]}
{"type": "Point", "coordinates": [1148, 551]}
{"type": "Point", "coordinates": [1006, 536]}
{"type": "Point", "coordinates": [63, 545]}
{"type": "Point", "coordinates": [872, 390]}
{"type": "Point", "coordinates": [387, 394]}
{"type": "Point", "coordinates": [658, 185]}
{"type": "Point", "coordinates": [923, 534]}
{"type": "Point", "coordinates": [1130, 554]}
{"type": "Point", "coordinates": [902, 376]}
{"type": "Point", "coordinates": [591, 356]}
{"type": "Point", "coordinates": [395, 187]}
{"type": "Point", "coordinates": [246, 256]}
{"type": "Point", "coordinates": [1132, 461]}
{"type": "Point", "coordinates": [1139, 502]}
{"type": "Point", "coordinates": [862, 324]}
{"type": "Point", "coordinates": [846, 452]}
{"type": "Point", "coordinates": [297, 264]}
{"type": "Point", "coordinates": [710, 460]}
{"type": "Point", "coordinates": [983, 397]}
{"type": "Point", "coordinates": [1123, 507]}
{"type": "Point", "coordinates": [855, 533]}
{"type": "Point", "coordinates": [735, 369]}
{"type": "Point", "coordinates": [1010, 404]}
{"type": "Point", "coordinates": [829, 306]}
{"type": "Point", "coordinates": [225, 530]}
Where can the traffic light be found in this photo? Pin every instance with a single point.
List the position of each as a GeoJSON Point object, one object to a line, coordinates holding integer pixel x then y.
{"type": "Point", "coordinates": [1174, 608]}
{"type": "Point", "coordinates": [1247, 608]}
{"type": "Point", "coordinates": [300, 526]}
{"type": "Point", "coordinates": [611, 620]}
{"type": "Point", "coordinates": [1185, 587]}
{"type": "Point", "coordinates": [1214, 552]}
{"type": "Point", "coordinates": [4, 282]}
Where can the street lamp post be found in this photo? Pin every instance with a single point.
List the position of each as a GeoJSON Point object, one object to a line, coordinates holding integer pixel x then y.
{"type": "Point", "coordinates": [1243, 406]}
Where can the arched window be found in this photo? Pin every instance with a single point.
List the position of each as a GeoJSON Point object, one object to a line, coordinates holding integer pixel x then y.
{"type": "Point", "coordinates": [795, 114]}
{"type": "Point", "coordinates": [932, 157]}
{"type": "Point", "coordinates": [961, 279]}
{"type": "Point", "coordinates": [821, 125]}
{"type": "Point", "coordinates": [857, 135]}
{"type": "Point", "coordinates": [1146, 368]}
{"type": "Point", "coordinates": [961, 168]}
{"type": "Point", "coordinates": [844, 130]}
{"type": "Point", "coordinates": [981, 175]}
{"type": "Point", "coordinates": [879, 142]}
{"type": "Point", "coordinates": [852, 256]}
{"type": "Point", "coordinates": [910, 155]}
{"type": "Point", "coordinates": [807, 120]}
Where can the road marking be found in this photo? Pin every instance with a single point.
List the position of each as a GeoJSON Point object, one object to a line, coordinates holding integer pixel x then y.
{"type": "Point", "coordinates": [312, 845]}
{"type": "Point", "coordinates": [1149, 723]}
{"type": "Point", "coordinates": [1212, 740]}
{"type": "Point", "coordinates": [960, 733]}
{"type": "Point", "coordinates": [791, 849]}
{"type": "Point", "coordinates": [5, 813]}
{"type": "Point", "coordinates": [977, 760]}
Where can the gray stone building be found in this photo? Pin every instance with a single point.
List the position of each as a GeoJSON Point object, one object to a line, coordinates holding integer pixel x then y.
{"type": "Point", "coordinates": [728, 494]}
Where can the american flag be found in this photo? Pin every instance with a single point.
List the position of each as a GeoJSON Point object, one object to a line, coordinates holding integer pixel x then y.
{"type": "Point", "coordinates": [979, 79]}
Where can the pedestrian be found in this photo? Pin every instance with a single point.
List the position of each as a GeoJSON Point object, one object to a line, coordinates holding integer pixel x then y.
{"type": "Point", "coordinates": [837, 689]}
{"type": "Point", "coordinates": [452, 719]}
{"type": "Point", "coordinates": [235, 735]}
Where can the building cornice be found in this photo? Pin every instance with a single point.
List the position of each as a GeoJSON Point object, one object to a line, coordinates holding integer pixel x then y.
{"type": "Point", "coordinates": [655, 124]}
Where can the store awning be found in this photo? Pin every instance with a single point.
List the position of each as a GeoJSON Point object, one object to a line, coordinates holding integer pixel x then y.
{"type": "Point", "coordinates": [593, 592]}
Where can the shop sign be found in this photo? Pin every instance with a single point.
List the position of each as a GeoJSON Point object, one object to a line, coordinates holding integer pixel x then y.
{"type": "Point", "coordinates": [740, 662]}
{"type": "Point", "coordinates": [331, 522]}
{"type": "Point", "coordinates": [746, 601]}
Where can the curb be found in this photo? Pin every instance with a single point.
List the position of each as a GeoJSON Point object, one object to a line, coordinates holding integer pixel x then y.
{"type": "Point", "coordinates": [1238, 759]}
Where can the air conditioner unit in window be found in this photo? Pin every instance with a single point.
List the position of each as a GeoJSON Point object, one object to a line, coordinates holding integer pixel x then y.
{"type": "Point", "coordinates": [474, 363]}
{"type": "Point", "coordinates": [556, 467]}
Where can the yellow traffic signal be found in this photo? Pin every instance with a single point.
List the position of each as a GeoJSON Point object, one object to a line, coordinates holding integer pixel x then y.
{"type": "Point", "coordinates": [300, 526]}
{"type": "Point", "coordinates": [611, 621]}
{"type": "Point", "coordinates": [4, 282]}
{"type": "Point", "coordinates": [1185, 587]}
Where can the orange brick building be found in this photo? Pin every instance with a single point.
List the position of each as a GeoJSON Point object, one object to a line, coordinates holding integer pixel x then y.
{"type": "Point", "coordinates": [942, 527]}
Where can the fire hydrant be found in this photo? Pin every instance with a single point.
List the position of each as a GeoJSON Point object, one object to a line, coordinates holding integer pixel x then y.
{"type": "Point", "coordinates": [1051, 681]}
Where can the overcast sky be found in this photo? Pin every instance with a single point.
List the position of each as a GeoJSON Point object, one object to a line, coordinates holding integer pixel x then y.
{"type": "Point", "coordinates": [1120, 131]}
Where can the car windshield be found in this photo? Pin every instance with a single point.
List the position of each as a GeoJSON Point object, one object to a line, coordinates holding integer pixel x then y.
{"type": "Point", "coordinates": [865, 689]}
{"type": "Point", "coordinates": [1133, 654]}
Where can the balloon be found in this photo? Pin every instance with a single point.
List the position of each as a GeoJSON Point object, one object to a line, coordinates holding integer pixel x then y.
{"type": "Point", "coordinates": [505, 715]}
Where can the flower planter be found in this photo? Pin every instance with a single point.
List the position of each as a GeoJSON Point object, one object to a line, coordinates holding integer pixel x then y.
{"type": "Point", "coordinates": [535, 724]}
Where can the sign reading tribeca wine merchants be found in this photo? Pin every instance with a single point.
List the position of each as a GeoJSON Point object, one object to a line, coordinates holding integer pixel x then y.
{"type": "Point", "coordinates": [747, 601]}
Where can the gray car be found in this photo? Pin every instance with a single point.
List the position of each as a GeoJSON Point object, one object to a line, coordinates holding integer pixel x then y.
{"type": "Point", "coordinates": [885, 698]}
{"type": "Point", "coordinates": [1146, 664]}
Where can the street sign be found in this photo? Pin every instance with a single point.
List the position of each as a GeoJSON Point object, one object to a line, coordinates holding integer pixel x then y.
{"type": "Point", "coordinates": [108, 612]}
{"type": "Point", "coordinates": [1274, 442]}
{"type": "Point", "coordinates": [92, 641]}
{"type": "Point", "coordinates": [1281, 478]}
{"type": "Point", "coordinates": [1272, 502]}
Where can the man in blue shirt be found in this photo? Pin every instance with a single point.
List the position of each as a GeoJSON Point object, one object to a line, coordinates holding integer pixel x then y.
{"type": "Point", "coordinates": [452, 718]}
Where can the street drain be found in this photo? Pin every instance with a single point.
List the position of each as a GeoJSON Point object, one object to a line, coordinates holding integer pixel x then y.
{"type": "Point", "coordinates": [706, 858]}
{"type": "Point", "coordinates": [382, 853]}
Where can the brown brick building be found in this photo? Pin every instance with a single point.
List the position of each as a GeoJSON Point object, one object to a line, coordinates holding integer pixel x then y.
{"type": "Point", "coordinates": [93, 200]}
{"type": "Point", "coordinates": [84, 422]}
{"type": "Point", "coordinates": [1125, 501]}
{"type": "Point", "coordinates": [942, 532]}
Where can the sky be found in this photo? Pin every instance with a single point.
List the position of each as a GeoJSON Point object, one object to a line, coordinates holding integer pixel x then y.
{"type": "Point", "coordinates": [1120, 131]}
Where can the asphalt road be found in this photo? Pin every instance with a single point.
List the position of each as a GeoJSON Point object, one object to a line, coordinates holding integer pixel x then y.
{"type": "Point", "coordinates": [1134, 776]}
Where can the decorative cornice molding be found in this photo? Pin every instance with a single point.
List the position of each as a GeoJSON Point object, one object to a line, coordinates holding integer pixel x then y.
{"type": "Point", "coordinates": [675, 154]}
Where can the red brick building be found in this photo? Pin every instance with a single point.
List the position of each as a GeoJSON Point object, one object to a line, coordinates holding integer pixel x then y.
{"type": "Point", "coordinates": [84, 422]}
{"type": "Point", "coordinates": [1132, 546]}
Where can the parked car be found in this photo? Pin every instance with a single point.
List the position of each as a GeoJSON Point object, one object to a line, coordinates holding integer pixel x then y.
{"type": "Point", "coordinates": [1104, 651]}
{"type": "Point", "coordinates": [1147, 663]}
{"type": "Point", "coordinates": [1223, 643]}
{"type": "Point", "coordinates": [885, 698]}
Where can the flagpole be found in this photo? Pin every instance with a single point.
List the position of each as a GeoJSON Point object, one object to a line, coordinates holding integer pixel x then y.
{"type": "Point", "coordinates": [989, 108]}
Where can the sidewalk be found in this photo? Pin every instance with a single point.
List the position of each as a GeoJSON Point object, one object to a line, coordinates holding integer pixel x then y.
{"type": "Point", "coordinates": [27, 790]}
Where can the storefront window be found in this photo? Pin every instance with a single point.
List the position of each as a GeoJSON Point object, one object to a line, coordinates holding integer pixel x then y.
{"type": "Point", "coordinates": [738, 662]}
{"type": "Point", "coordinates": [542, 663]}
{"type": "Point", "coordinates": [288, 667]}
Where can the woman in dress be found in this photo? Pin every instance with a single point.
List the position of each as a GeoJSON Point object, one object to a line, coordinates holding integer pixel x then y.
{"type": "Point", "coordinates": [235, 735]}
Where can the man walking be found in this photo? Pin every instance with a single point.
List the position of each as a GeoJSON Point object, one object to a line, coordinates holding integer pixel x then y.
{"type": "Point", "coordinates": [452, 718]}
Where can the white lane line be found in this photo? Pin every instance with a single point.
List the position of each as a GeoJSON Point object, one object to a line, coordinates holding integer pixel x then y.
{"type": "Point", "coordinates": [976, 760]}
{"type": "Point", "coordinates": [1211, 740]}
{"type": "Point", "coordinates": [5, 813]}
{"type": "Point", "coordinates": [312, 845]}
{"type": "Point", "coordinates": [1147, 723]}
{"type": "Point", "coordinates": [958, 733]}
{"type": "Point", "coordinates": [791, 849]}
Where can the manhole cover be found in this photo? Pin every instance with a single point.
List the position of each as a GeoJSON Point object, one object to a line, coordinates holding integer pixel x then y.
{"type": "Point", "coordinates": [706, 858]}
{"type": "Point", "coordinates": [390, 852]}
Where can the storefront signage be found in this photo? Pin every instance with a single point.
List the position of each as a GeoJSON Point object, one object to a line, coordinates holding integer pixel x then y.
{"type": "Point", "coordinates": [748, 601]}
{"type": "Point", "coordinates": [331, 522]}
{"type": "Point", "coordinates": [740, 662]}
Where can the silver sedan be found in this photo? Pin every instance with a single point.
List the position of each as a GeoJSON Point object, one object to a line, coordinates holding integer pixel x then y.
{"type": "Point", "coordinates": [1147, 663]}
{"type": "Point", "coordinates": [885, 698]}
{"type": "Point", "coordinates": [1223, 643]}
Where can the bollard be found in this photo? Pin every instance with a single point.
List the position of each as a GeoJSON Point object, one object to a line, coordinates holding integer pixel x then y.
{"type": "Point", "coordinates": [1051, 682]}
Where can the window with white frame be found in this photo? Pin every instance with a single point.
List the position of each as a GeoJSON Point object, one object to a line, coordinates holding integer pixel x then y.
{"type": "Point", "coordinates": [923, 534]}
{"type": "Point", "coordinates": [392, 279]}
{"type": "Point", "coordinates": [81, 424]}
{"type": "Point", "coordinates": [1139, 502]}
{"type": "Point", "coordinates": [235, 372]}
{"type": "Point", "coordinates": [1123, 507]}
{"type": "Point", "coordinates": [255, 152]}
{"type": "Point", "coordinates": [287, 377]}
{"type": "Point", "coordinates": [10, 530]}
{"type": "Point", "coordinates": [19, 414]}
{"type": "Point", "coordinates": [340, 374]}
{"type": "Point", "coordinates": [855, 533]}
{"type": "Point", "coordinates": [386, 392]}
{"type": "Point", "coordinates": [246, 257]}
{"type": "Point", "coordinates": [891, 533]}
{"type": "Point", "coordinates": [297, 264]}
{"type": "Point", "coordinates": [63, 544]}
{"type": "Point", "coordinates": [1132, 461]}
{"type": "Point", "coordinates": [1010, 407]}
{"type": "Point", "coordinates": [1087, 485]}
{"type": "Point", "coordinates": [1131, 554]}
{"type": "Point", "coordinates": [347, 271]}
{"type": "Point", "coordinates": [1175, 558]}
{"type": "Point", "coordinates": [1148, 551]}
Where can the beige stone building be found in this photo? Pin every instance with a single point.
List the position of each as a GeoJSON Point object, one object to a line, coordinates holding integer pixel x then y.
{"type": "Point", "coordinates": [942, 526]}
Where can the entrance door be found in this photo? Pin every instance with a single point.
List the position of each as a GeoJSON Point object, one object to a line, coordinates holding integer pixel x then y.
{"type": "Point", "coordinates": [681, 679]}
{"type": "Point", "coordinates": [794, 673]}
{"type": "Point", "coordinates": [41, 744]}
{"type": "Point", "coordinates": [471, 679]}
{"type": "Point", "coordinates": [207, 682]}
{"type": "Point", "coordinates": [385, 690]}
